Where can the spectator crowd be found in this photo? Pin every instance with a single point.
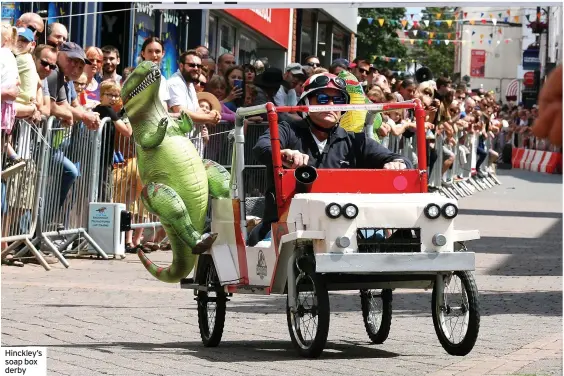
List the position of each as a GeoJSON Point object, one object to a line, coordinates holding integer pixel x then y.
{"type": "Point", "coordinates": [59, 78]}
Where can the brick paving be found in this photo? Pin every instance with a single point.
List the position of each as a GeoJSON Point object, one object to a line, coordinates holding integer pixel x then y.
{"type": "Point", "coordinates": [112, 318]}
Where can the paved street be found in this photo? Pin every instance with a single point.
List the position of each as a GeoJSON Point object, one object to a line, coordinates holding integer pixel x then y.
{"type": "Point", "coordinates": [111, 317]}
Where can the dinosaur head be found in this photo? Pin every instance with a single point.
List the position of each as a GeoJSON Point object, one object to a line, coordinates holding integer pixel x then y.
{"type": "Point", "coordinates": [141, 89]}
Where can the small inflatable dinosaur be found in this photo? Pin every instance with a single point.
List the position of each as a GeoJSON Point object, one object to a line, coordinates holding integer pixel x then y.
{"type": "Point", "coordinates": [177, 181]}
{"type": "Point", "coordinates": [354, 121]}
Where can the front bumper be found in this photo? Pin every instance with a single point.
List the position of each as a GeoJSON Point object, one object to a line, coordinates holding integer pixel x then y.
{"type": "Point", "coordinates": [421, 262]}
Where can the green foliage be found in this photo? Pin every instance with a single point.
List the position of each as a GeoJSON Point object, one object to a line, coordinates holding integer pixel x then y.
{"type": "Point", "coordinates": [376, 40]}
{"type": "Point", "coordinates": [437, 57]}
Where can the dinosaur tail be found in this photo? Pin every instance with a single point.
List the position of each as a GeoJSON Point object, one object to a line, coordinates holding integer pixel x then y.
{"type": "Point", "coordinates": [182, 263]}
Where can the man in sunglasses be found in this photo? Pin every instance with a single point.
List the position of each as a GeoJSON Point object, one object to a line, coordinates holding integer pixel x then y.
{"type": "Point", "coordinates": [361, 70]}
{"type": "Point", "coordinates": [319, 141]}
{"type": "Point", "coordinates": [45, 62]}
{"type": "Point", "coordinates": [312, 61]}
{"type": "Point", "coordinates": [182, 89]}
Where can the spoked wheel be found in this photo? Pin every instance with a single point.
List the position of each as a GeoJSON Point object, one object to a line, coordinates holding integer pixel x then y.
{"type": "Point", "coordinates": [309, 325]}
{"type": "Point", "coordinates": [456, 312]}
{"type": "Point", "coordinates": [211, 303]}
{"type": "Point", "coordinates": [377, 313]}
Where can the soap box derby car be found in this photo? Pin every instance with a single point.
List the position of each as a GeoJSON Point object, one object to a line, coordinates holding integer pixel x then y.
{"type": "Point", "coordinates": [338, 230]}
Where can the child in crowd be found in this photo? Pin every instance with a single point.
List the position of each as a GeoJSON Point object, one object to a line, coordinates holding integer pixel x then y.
{"type": "Point", "coordinates": [10, 89]}
{"type": "Point", "coordinates": [207, 102]}
{"type": "Point", "coordinates": [79, 87]}
{"type": "Point", "coordinates": [109, 97]}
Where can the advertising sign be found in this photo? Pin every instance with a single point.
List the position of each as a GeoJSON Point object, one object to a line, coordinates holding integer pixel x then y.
{"type": "Point", "coordinates": [478, 63]}
{"type": "Point", "coordinates": [272, 23]}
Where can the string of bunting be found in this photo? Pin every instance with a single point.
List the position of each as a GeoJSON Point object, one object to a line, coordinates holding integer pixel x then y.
{"type": "Point", "coordinates": [437, 35]}
{"type": "Point", "coordinates": [459, 17]}
{"type": "Point", "coordinates": [454, 41]}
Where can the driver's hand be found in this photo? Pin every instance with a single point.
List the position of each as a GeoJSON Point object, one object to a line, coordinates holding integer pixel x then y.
{"type": "Point", "coordinates": [395, 165]}
{"type": "Point", "coordinates": [293, 158]}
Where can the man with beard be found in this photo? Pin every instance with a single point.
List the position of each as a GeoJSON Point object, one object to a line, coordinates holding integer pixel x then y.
{"type": "Point", "coordinates": [111, 61]}
{"type": "Point", "coordinates": [183, 93]}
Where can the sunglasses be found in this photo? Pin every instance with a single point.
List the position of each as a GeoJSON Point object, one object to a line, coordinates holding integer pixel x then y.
{"type": "Point", "coordinates": [194, 65]}
{"type": "Point", "coordinates": [48, 64]}
{"type": "Point", "coordinates": [365, 71]}
{"type": "Point", "coordinates": [323, 81]}
{"type": "Point", "coordinates": [314, 65]}
{"type": "Point", "coordinates": [323, 98]}
{"type": "Point", "coordinates": [33, 29]}
{"type": "Point", "coordinates": [202, 84]}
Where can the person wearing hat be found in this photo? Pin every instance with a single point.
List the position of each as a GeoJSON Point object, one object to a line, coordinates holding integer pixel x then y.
{"type": "Point", "coordinates": [207, 102]}
{"type": "Point", "coordinates": [70, 65]}
{"type": "Point", "coordinates": [25, 104]}
{"type": "Point", "coordinates": [267, 84]}
{"type": "Point", "coordinates": [318, 140]}
{"type": "Point", "coordinates": [339, 65]}
{"type": "Point", "coordinates": [295, 77]}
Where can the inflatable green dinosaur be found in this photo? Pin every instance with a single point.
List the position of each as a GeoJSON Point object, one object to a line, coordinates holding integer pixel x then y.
{"type": "Point", "coordinates": [177, 181]}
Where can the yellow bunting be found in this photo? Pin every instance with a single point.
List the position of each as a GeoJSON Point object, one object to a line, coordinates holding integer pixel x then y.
{"type": "Point", "coordinates": [516, 18]}
{"type": "Point", "coordinates": [438, 15]}
{"type": "Point", "coordinates": [472, 22]}
{"type": "Point", "coordinates": [411, 41]}
{"type": "Point", "coordinates": [449, 23]}
{"type": "Point", "coordinates": [403, 22]}
{"type": "Point", "coordinates": [381, 21]}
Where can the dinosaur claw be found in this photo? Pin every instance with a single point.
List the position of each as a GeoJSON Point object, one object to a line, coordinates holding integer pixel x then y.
{"type": "Point", "coordinates": [204, 243]}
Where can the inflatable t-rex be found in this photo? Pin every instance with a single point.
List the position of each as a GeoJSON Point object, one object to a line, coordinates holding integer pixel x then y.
{"type": "Point", "coordinates": [177, 181]}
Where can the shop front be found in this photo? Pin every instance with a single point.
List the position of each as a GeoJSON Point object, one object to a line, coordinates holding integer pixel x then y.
{"type": "Point", "coordinates": [250, 34]}
{"type": "Point", "coordinates": [326, 34]}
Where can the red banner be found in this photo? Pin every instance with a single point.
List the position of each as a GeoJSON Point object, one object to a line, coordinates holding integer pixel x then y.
{"type": "Point", "coordinates": [478, 63]}
{"type": "Point", "coordinates": [272, 23]}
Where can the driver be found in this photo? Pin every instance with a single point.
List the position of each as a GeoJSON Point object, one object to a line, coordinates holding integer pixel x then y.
{"type": "Point", "coordinates": [319, 141]}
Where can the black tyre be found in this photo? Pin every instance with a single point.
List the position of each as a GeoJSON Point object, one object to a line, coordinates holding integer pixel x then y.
{"type": "Point", "coordinates": [459, 308]}
{"type": "Point", "coordinates": [309, 325]}
{"type": "Point", "coordinates": [211, 303]}
{"type": "Point", "coordinates": [377, 313]}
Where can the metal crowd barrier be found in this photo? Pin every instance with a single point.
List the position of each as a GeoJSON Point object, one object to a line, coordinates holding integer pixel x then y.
{"type": "Point", "coordinates": [70, 170]}
{"type": "Point", "coordinates": [21, 190]}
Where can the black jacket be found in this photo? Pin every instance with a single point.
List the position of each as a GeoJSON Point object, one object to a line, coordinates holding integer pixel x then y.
{"type": "Point", "coordinates": [343, 150]}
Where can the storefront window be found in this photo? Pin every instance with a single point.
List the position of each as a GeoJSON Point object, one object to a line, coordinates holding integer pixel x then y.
{"type": "Point", "coordinates": [212, 35]}
{"type": "Point", "coordinates": [170, 36]}
{"type": "Point", "coordinates": [340, 45]}
{"type": "Point", "coordinates": [307, 35]}
{"type": "Point", "coordinates": [324, 44]}
{"type": "Point", "coordinates": [247, 50]}
{"type": "Point", "coordinates": [227, 37]}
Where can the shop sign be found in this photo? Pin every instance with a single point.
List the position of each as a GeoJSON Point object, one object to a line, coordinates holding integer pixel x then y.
{"type": "Point", "coordinates": [531, 59]}
{"type": "Point", "coordinates": [272, 23]}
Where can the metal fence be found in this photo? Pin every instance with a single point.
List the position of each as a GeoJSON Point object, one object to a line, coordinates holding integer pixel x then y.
{"type": "Point", "coordinates": [45, 205]}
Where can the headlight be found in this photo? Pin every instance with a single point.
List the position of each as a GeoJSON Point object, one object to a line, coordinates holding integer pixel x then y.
{"type": "Point", "coordinates": [432, 211]}
{"type": "Point", "coordinates": [350, 211]}
{"type": "Point", "coordinates": [450, 211]}
{"type": "Point", "coordinates": [333, 210]}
